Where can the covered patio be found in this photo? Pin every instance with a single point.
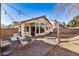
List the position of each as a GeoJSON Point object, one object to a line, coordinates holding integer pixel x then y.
{"type": "Point", "coordinates": [33, 28]}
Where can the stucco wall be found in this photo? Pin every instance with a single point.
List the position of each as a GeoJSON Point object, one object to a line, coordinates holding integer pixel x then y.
{"type": "Point", "coordinates": [22, 30]}
{"type": "Point", "coordinates": [40, 20]}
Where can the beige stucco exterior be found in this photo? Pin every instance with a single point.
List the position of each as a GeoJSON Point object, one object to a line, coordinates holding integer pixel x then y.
{"type": "Point", "coordinates": [33, 23]}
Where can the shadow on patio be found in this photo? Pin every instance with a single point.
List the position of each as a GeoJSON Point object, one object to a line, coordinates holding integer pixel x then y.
{"type": "Point", "coordinates": [59, 51]}
{"type": "Point", "coordinates": [41, 48]}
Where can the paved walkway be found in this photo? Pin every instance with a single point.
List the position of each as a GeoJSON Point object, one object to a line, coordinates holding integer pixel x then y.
{"type": "Point", "coordinates": [46, 46]}
{"type": "Point", "coordinates": [38, 48]}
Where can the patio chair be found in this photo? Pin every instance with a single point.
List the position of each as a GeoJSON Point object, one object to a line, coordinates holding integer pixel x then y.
{"type": "Point", "coordinates": [14, 41]}
{"type": "Point", "coordinates": [29, 37]}
{"type": "Point", "coordinates": [19, 41]}
{"type": "Point", "coordinates": [26, 38]}
{"type": "Point", "coordinates": [13, 38]}
{"type": "Point", "coordinates": [4, 43]}
{"type": "Point", "coordinates": [5, 47]}
{"type": "Point", "coordinates": [22, 41]}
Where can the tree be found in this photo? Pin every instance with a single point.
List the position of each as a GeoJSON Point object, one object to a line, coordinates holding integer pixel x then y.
{"type": "Point", "coordinates": [58, 9]}
{"type": "Point", "coordinates": [70, 10]}
{"type": "Point", "coordinates": [73, 7]}
{"type": "Point", "coordinates": [74, 22]}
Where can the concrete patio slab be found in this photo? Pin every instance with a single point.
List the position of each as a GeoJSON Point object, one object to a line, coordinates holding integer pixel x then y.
{"type": "Point", "coordinates": [38, 48]}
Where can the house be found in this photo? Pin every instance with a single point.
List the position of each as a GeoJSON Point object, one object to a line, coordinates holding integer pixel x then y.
{"type": "Point", "coordinates": [15, 25]}
{"type": "Point", "coordinates": [36, 26]}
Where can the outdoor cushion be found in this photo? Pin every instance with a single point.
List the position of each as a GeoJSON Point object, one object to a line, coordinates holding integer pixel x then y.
{"type": "Point", "coordinates": [21, 38]}
{"type": "Point", "coordinates": [24, 42]}
{"type": "Point", "coordinates": [16, 34]}
{"type": "Point", "coordinates": [13, 38]}
{"type": "Point", "coordinates": [5, 43]}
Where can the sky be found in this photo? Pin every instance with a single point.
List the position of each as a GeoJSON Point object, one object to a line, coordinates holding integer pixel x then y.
{"type": "Point", "coordinates": [34, 10]}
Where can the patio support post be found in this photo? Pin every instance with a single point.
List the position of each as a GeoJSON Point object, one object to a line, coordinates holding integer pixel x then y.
{"type": "Point", "coordinates": [22, 30]}
{"type": "Point", "coordinates": [30, 30]}
{"type": "Point", "coordinates": [35, 28]}
{"type": "Point", "coordinates": [44, 27]}
{"type": "Point", "coordinates": [39, 27]}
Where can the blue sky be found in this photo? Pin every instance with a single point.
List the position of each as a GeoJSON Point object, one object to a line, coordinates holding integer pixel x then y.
{"type": "Point", "coordinates": [34, 10]}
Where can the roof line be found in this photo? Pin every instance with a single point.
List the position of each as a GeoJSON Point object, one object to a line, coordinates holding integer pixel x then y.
{"type": "Point", "coordinates": [34, 18]}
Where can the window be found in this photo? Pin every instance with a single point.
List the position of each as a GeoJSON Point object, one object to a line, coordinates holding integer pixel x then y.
{"type": "Point", "coordinates": [46, 28]}
{"type": "Point", "coordinates": [42, 24]}
{"type": "Point", "coordinates": [26, 29]}
{"type": "Point", "coordinates": [37, 29]}
{"type": "Point", "coordinates": [37, 24]}
{"type": "Point", "coordinates": [49, 27]}
{"type": "Point", "coordinates": [41, 29]}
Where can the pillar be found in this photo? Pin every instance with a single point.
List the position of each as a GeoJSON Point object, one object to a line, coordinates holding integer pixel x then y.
{"type": "Point", "coordinates": [30, 30]}
{"type": "Point", "coordinates": [39, 27]}
{"type": "Point", "coordinates": [22, 30]}
{"type": "Point", "coordinates": [35, 28]}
